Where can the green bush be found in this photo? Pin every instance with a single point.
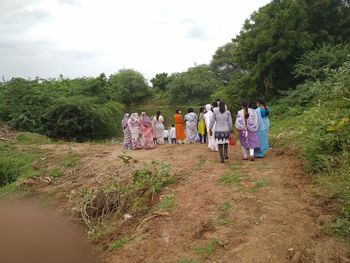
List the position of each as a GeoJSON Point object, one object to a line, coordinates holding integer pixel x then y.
{"type": "Point", "coordinates": [15, 163]}
{"type": "Point", "coordinates": [8, 171]}
{"type": "Point", "coordinates": [194, 86]}
{"type": "Point", "coordinates": [79, 118]}
{"type": "Point", "coordinates": [316, 63]}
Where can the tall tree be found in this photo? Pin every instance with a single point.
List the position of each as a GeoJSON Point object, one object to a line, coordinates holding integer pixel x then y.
{"type": "Point", "coordinates": [161, 81]}
{"type": "Point", "coordinates": [128, 86]}
{"type": "Point", "coordinates": [194, 86]}
{"type": "Point", "coordinates": [222, 63]}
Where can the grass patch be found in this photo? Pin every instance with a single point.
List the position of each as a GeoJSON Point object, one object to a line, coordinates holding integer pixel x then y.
{"type": "Point", "coordinates": [16, 164]}
{"type": "Point", "coordinates": [261, 183]}
{"type": "Point", "coordinates": [208, 249]}
{"type": "Point", "coordinates": [31, 138]}
{"type": "Point", "coordinates": [118, 244]}
{"type": "Point", "coordinates": [231, 179]}
{"type": "Point", "coordinates": [166, 204]}
{"type": "Point", "coordinates": [262, 166]}
{"type": "Point", "coordinates": [70, 161]}
{"type": "Point", "coordinates": [223, 217]}
{"type": "Point", "coordinates": [56, 172]}
{"type": "Point", "coordinates": [339, 185]}
{"type": "Point", "coordinates": [225, 207]}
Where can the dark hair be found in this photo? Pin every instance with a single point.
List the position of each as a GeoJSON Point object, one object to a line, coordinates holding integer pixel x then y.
{"type": "Point", "coordinates": [262, 102]}
{"type": "Point", "coordinates": [215, 104]}
{"type": "Point", "coordinates": [177, 111]}
{"type": "Point", "coordinates": [190, 110]}
{"type": "Point", "coordinates": [201, 109]}
{"type": "Point", "coordinates": [218, 100]}
{"type": "Point", "coordinates": [222, 106]}
{"type": "Point", "coordinates": [158, 114]}
{"type": "Point", "coordinates": [172, 125]}
{"type": "Point", "coordinates": [245, 106]}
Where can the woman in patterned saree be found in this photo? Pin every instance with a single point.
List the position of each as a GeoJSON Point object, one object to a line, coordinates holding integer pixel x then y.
{"type": "Point", "coordinates": [127, 134]}
{"type": "Point", "coordinates": [147, 130]}
{"type": "Point", "coordinates": [247, 125]}
{"type": "Point", "coordinates": [135, 130]}
{"type": "Point", "coordinates": [191, 126]}
{"type": "Point", "coordinates": [158, 128]}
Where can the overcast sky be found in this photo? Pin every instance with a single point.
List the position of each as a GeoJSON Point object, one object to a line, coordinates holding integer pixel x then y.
{"type": "Point", "coordinates": [46, 38]}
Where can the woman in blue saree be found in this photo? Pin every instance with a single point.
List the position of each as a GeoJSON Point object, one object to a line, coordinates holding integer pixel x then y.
{"type": "Point", "coordinates": [264, 124]}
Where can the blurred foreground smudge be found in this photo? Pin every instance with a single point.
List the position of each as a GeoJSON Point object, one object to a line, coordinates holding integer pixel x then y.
{"type": "Point", "coordinates": [32, 234]}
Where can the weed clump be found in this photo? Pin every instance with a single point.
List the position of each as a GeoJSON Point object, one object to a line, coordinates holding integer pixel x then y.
{"type": "Point", "coordinates": [92, 206]}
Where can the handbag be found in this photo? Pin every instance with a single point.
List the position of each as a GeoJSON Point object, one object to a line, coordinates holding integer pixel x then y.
{"type": "Point", "coordinates": [232, 141]}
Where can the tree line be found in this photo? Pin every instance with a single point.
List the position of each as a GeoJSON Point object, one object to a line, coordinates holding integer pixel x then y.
{"type": "Point", "coordinates": [281, 47]}
{"type": "Point", "coordinates": [262, 60]}
{"type": "Point", "coordinates": [71, 109]}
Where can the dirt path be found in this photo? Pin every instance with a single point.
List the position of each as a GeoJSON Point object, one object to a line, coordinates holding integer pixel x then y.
{"type": "Point", "coordinates": [262, 211]}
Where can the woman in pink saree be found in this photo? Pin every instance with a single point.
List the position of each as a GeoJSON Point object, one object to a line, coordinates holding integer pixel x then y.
{"type": "Point", "coordinates": [147, 130]}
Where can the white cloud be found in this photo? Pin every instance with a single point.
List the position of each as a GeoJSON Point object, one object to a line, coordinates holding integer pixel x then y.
{"type": "Point", "coordinates": [85, 37]}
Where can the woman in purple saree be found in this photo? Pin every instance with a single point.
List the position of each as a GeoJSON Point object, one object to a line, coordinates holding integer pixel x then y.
{"type": "Point", "coordinates": [247, 125]}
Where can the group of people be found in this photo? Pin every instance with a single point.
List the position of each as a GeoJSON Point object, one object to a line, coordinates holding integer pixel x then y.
{"type": "Point", "coordinates": [213, 124]}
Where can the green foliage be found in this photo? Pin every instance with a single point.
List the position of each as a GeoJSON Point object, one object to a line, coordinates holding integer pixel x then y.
{"type": "Point", "coordinates": [208, 249]}
{"type": "Point", "coordinates": [166, 203]}
{"type": "Point", "coordinates": [77, 109]}
{"type": "Point", "coordinates": [239, 88]}
{"type": "Point", "coordinates": [261, 183]}
{"type": "Point", "coordinates": [155, 176]}
{"type": "Point", "coordinates": [161, 81]}
{"type": "Point", "coordinates": [128, 86]}
{"type": "Point", "coordinates": [267, 49]}
{"type": "Point", "coordinates": [230, 179]}
{"type": "Point", "coordinates": [94, 205]}
{"type": "Point", "coordinates": [324, 118]}
{"type": "Point", "coordinates": [118, 244]}
{"type": "Point", "coordinates": [78, 118]}
{"type": "Point", "coordinates": [226, 206]}
{"type": "Point", "coordinates": [321, 133]}
{"type": "Point", "coordinates": [194, 86]}
{"type": "Point", "coordinates": [222, 63]}
{"type": "Point", "coordinates": [317, 63]}
{"type": "Point", "coordinates": [15, 164]}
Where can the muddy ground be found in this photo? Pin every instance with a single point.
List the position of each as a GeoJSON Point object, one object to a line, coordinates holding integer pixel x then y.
{"type": "Point", "coordinates": [241, 211]}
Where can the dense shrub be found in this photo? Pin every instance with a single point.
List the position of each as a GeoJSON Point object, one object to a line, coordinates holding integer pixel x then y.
{"type": "Point", "coordinates": [8, 172]}
{"type": "Point", "coordinates": [79, 118]}
{"type": "Point", "coordinates": [316, 63]}
{"type": "Point", "coordinates": [73, 109]}
{"type": "Point", "coordinates": [323, 108]}
{"type": "Point", "coordinates": [194, 86]}
{"type": "Point", "coordinates": [128, 86]}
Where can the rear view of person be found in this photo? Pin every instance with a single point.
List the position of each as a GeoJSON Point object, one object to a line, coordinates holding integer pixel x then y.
{"type": "Point", "coordinates": [191, 126]}
{"type": "Point", "coordinates": [127, 145]}
{"type": "Point", "coordinates": [201, 126]}
{"type": "Point", "coordinates": [173, 134]}
{"type": "Point", "coordinates": [135, 130]}
{"type": "Point", "coordinates": [158, 128]}
{"type": "Point", "coordinates": [223, 125]}
{"type": "Point", "coordinates": [179, 126]}
{"type": "Point", "coordinates": [208, 116]}
{"type": "Point", "coordinates": [247, 125]}
{"type": "Point", "coordinates": [264, 124]}
{"type": "Point", "coordinates": [147, 130]}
